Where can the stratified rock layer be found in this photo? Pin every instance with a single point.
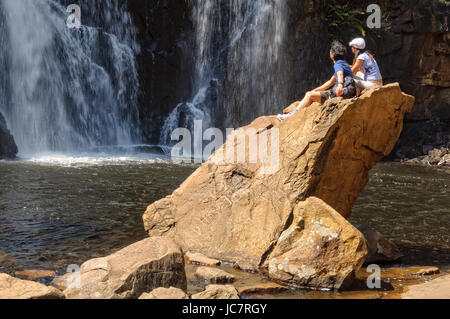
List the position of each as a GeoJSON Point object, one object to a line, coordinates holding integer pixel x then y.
{"type": "Point", "coordinates": [137, 269]}
{"type": "Point", "coordinates": [237, 212]}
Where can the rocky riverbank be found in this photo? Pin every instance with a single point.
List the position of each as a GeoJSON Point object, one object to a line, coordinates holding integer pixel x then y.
{"type": "Point", "coordinates": [435, 157]}
{"type": "Point", "coordinates": [288, 227]}
{"type": "Point", "coordinates": [195, 280]}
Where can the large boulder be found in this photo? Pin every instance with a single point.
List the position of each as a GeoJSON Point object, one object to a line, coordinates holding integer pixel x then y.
{"type": "Point", "coordinates": [320, 249]}
{"type": "Point", "coordinates": [8, 147]}
{"type": "Point", "coordinates": [236, 211]}
{"type": "Point", "coordinates": [127, 274]}
{"type": "Point", "coordinates": [15, 288]}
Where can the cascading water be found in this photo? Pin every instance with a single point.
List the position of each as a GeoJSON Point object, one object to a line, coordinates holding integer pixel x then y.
{"type": "Point", "coordinates": [238, 57]}
{"type": "Point", "coordinates": [63, 89]}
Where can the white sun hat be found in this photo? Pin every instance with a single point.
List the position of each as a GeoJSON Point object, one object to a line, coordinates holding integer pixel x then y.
{"type": "Point", "coordinates": [358, 43]}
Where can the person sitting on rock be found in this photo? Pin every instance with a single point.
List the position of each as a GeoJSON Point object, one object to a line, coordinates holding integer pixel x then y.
{"type": "Point", "coordinates": [365, 67]}
{"type": "Point", "coordinates": [343, 75]}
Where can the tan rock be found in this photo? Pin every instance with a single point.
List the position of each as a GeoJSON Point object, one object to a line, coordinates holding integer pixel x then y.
{"type": "Point", "coordinates": [236, 212]}
{"type": "Point", "coordinates": [264, 288]}
{"type": "Point", "coordinates": [445, 160]}
{"type": "Point", "coordinates": [200, 259]}
{"type": "Point", "coordinates": [218, 292]}
{"type": "Point", "coordinates": [35, 275]}
{"type": "Point", "coordinates": [402, 273]}
{"type": "Point", "coordinates": [165, 293]}
{"type": "Point", "coordinates": [319, 250]}
{"type": "Point", "coordinates": [127, 274]}
{"type": "Point", "coordinates": [214, 275]}
{"type": "Point", "coordinates": [435, 289]}
{"type": "Point", "coordinates": [381, 249]}
{"type": "Point", "coordinates": [15, 288]}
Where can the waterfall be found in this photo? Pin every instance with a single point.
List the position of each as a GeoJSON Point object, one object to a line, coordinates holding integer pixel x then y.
{"type": "Point", "coordinates": [238, 60]}
{"type": "Point", "coordinates": [64, 89]}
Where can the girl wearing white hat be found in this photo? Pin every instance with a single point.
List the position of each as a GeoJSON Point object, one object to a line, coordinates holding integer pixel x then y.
{"type": "Point", "coordinates": [365, 67]}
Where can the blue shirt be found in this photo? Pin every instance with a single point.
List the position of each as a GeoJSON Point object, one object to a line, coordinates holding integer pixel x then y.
{"type": "Point", "coordinates": [343, 66]}
{"type": "Point", "coordinates": [370, 68]}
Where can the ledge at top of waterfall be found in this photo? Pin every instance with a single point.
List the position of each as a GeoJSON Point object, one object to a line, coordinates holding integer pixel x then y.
{"type": "Point", "coordinates": [239, 213]}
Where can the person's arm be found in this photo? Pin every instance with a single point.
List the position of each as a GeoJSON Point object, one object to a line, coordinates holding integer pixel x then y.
{"type": "Point", "coordinates": [340, 88]}
{"type": "Point", "coordinates": [326, 86]}
{"type": "Point", "coordinates": [357, 66]}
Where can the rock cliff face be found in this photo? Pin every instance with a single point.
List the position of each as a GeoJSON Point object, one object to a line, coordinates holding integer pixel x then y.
{"type": "Point", "coordinates": [237, 211]}
{"type": "Point", "coordinates": [412, 49]}
{"type": "Point", "coordinates": [8, 148]}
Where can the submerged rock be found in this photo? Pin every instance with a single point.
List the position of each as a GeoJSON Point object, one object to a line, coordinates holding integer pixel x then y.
{"type": "Point", "coordinates": [15, 288]}
{"type": "Point", "coordinates": [380, 248]}
{"type": "Point", "coordinates": [214, 275]}
{"type": "Point", "coordinates": [236, 211]}
{"type": "Point", "coordinates": [127, 274]}
{"type": "Point", "coordinates": [8, 147]}
{"type": "Point", "coordinates": [36, 275]}
{"type": "Point", "coordinates": [218, 292]}
{"type": "Point", "coordinates": [320, 249]}
{"type": "Point", "coordinates": [264, 288]}
{"type": "Point", "coordinates": [165, 293]}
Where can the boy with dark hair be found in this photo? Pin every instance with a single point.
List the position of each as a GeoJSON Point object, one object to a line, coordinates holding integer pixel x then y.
{"type": "Point", "coordinates": [341, 84]}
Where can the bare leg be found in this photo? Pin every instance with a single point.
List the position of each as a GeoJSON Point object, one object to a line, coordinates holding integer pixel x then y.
{"type": "Point", "coordinates": [309, 99]}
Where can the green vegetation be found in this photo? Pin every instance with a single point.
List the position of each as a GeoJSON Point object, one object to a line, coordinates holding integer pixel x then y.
{"type": "Point", "coordinates": [342, 19]}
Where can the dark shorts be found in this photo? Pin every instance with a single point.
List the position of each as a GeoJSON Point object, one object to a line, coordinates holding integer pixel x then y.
{"type": "Point", "coordinates": [349, 91]}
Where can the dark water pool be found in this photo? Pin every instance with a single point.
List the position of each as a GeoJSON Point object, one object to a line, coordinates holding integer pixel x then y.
{"type": "Point", "coordinates": [58, 211]}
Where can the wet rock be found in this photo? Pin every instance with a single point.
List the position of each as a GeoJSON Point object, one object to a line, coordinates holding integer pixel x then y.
{"type": "Point", "coordinates": [266, 288]}
{"type": "Point", "coordinates": [35, 275]}
{"type": "Point", "coordinates": [218, 292]}
{"type": "Point", "coordinates": [380, 248]}
{"type": "Point", "coordinates": [165, 293]}
{"type": "Point", "coordinates": [402, 273]}
{"type": "Point", "coordinates": [319, 250]}
{"type": "Point", "coordinates": [8, 147]}
{"type": "Point", "coordinates": [445, 160]}
{"type": "Point", "coordinates": [15, 288]}
{"type": "Point", "coordinates": [436, 289]}
{"type": "Point", "coordinates": [435, 157]}
{"type": "Point", "coordinates": [238, 211]}
{"type": "Point", "coordinates": [127, 274]}
{"type": "Point", "coordinates": [214, 275]}
{"type": "Point", "coordinates": [63, 282]}
{"type": "Point", "coordinates": [200, 259]}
